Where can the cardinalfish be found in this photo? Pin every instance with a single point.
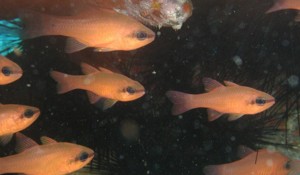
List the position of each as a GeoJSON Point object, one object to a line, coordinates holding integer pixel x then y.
{"type": "Point", "coordinates": [231, 99]}
{"type": "Point", "coordinates": [102, 29]}
{"type": "Point", "coordinates": [102, 85]}
{"type": "Point", "coordinates": [266, 162]}
{"type": "Point", "coordinates": [15, 118]}
{"type": "Point", "coordinates": [9, 71]}
{"type": "Point", "coordinates": [50, 158]}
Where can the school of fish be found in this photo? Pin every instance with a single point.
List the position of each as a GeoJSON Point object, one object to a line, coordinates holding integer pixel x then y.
{"type": "Point", "coordinates": [109, 26]}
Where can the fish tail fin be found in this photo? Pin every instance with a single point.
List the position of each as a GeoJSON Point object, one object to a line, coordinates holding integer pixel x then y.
{"type": "Point", "coordinates": [10, 36]}
{"type": "Point", "coordinates": [180, 100]}
{"type": "Point", "coordinates": [279, 5]}
{"type": "Point", "coordinates": [65, 81]}
{"type": "Point", "coordinates": [212, 170]}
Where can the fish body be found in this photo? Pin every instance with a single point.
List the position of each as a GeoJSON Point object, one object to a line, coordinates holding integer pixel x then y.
{"type": "Point", "coordinates": [105, 30]}
{"type": "Point", "coordinates": [9, 71]}
{"type": "Point", "coordinates": [266, 162]}
{"type": "Point", "coordinates": [100, 84]}
{"type": "Point", "coordinates": [51, 158]}
{"type": "Point", "coordinates": [14, 118]}
{"type": "Point", "coordinates": [232, 99]}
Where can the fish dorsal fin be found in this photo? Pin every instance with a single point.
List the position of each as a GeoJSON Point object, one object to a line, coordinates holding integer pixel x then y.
{"type": "Point", "coordinates": [233, 117]}
{"type": "Point", "coordinates": [211, 84]}
{"type": "Point", "coordinates": [23, 142]}
{"type": "Point", "coordinates": [213, 114]}
{"type": "Point", "coordinates": [72, 45]}
{"type": "Point", "coordinates": [87, 69]}
{"type": "Point", "coordinates": [229, 83]}
{"type": "Point", "coordinates": [105, 70]}
{"type": "Point", "coordinates": [47, 140]}
{"type": "Point", "coordinates": [244, 151]}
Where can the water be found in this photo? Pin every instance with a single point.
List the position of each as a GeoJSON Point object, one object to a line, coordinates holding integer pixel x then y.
{"type": "Point", "coordinates": [224, 40]}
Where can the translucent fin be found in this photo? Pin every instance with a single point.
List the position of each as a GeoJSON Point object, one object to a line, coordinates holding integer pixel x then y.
{"type": "Point", "coordinates": [63, 83]}
{"type": "Point", "coordinates": [105, 70]}
{"type": "Point", "coordinates": [180, 102]}
{"type": "Point", "coordinates": [211, 84]}
{"type": "Point", "coordinates": [23, 142]}
{"type": "Point", "coordinates": [93, 98]}
{"type": "Point", "coordinates": [10, 36]}
{"type": "Point", "coordinates": [5, 139]}
{"type": "Point", "coordinates": [73, 45]}
{"type": "Point", "coordinates": [233, 117]}
{"type": "Point", "coordinates": [213, 115]}
{"type": "Point", "coordinates": [105, 103]}
{"type": "Point", "coordinates": [229, 83]}
{"type": "Point", "coordinates": [87, 69]}
{"type": "Point", "coordinates": [47, 140]}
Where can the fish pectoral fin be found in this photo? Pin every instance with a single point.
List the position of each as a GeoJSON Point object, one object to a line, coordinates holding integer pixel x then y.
{"type": "Point", "coordinates": [93, 98]}
{"type": "Point", "coordinates": [244, 151]}
{"type": "Point", "coordinates": [105, 103]}
{"type": "Point", "coordinates": [5, 139]}
{"type": "Point", "coordinates": [87, 69]}
{"type": "Point", "coordinates": [23, 142]}
{"type": "Point", "coordinates": [229, 83]}
{"type": "Point", "coordinates": [211, 84]}
{"type": "Point", "coordinates": [72, 45]}
{"type": "Point", "coordinates": [47, 140]}
{"type": "Point", "coordinates": [233, 117]}
{"type": "Point", "coordinates": [213, 114]}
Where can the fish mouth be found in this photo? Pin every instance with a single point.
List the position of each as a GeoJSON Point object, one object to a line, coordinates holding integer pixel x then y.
{"type": "Point", "coordinates": [141, 91]}
{"type": "Point", "coordinates": [91, 155]}
{"type": "Point", "coordinates": [270, 100]}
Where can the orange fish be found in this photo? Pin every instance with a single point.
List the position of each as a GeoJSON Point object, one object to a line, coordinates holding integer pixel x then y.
{"type": "Point", "coordinates": [105, 30]}
{"type": "Point", "coordinates": [50, 158]}
{"type": "Point", "coordinates": [102, 29]}
{"type": "Point", "coordinates": [284, 4]}
{"type": "Point", "coordinates": [101, 84]}
{"type": "Point", "coordinates": [231, 99]}
{"type": "Point", "coordinates": [267, 163]}
{"type": "Point", "coordinates": [14, 118]}
{"type": "Point", "coordinates": [10, 71]}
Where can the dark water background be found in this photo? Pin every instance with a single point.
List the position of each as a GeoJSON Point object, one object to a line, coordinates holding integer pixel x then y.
{"type": "Point", "coordinates": [178, 60]}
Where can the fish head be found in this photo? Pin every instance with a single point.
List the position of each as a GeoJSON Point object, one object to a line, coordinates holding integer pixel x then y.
{"type": "Point", "coordinates": [130, 90]}
{"type": "Point", "coordinates": [258, 101]}
{"type": "Point", "coordinates": [73, 157]}
{"type": "Point", "coordinates": [136, 36]}
{"type": "Point", "coordinates": [9, 71]}
{"type": "Point", "coordinates": [21, 116]}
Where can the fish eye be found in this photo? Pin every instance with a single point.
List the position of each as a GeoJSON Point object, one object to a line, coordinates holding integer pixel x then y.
{"type": "Point", "coordinates": [260, 101]}
{"type": "Point", "coordinates": [28, 113]}
{"type": "Point", "coordinates": [130, 90]}
{"type": "Point", "coordinates": [6, 71]}
{"type": "Point", "coordinates": [83, 156]}
{"type": "Point", "coordinates": [141, 35]}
